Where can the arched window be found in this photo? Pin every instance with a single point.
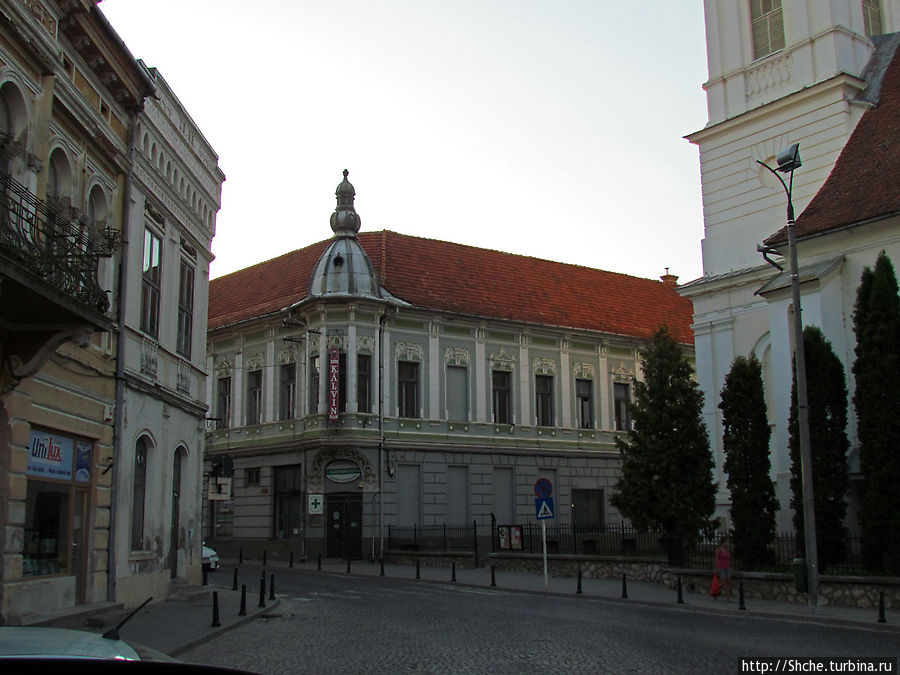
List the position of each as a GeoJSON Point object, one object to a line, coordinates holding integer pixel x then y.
{"type": "Point", "coordinates": [139, 489]}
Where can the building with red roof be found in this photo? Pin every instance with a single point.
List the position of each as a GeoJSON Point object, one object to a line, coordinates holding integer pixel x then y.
{"type": "Point", "coordinates": [378, 379]}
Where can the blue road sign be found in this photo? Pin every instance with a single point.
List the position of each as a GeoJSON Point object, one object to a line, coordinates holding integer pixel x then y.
{"type": "Point", "coordinates": [543, 508]}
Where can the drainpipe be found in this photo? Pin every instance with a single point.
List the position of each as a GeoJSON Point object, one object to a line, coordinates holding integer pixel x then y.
{"type": "Point", "coordinates": [120, 363]}
{"type": "Point", "coordinates": [381, 320]}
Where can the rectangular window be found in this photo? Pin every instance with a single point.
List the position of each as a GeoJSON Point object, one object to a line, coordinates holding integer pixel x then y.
{"type": "Point", "coordinates": [150, 283]}
{"type": "Point", "coordinates": [254, 397]}
{"type": "Point", "coordinates": [138, 491]}
{"type": "Point", "coordinates": [767, 26]}
{"type": "Point", "coordinates": [223, 405]}
{"type": "Point", "coordinates": [364, 382]}
{"type": "Point", "coordinates": [457, 393]}
{"type": "Point", "coordinates": [587, 507]}
{"type": "Point", "coordinates": [871, 10]}
{"type": "Point", "coordinates": [621, 401]}
{"type": "Point", "coordinates": [314, 385]}
{"type": "Point", "coordinates": [222, 518]}
{"type": "Point", "coordinates": [543, 389]}
{"type": "Point", "coordinates": [502, 396]}
{"type": "Point", "coordinates": [408, 388]}
{"type": "Point", "coordinates": [584, 395]}
{"type": "Point", "coordinates": [185, 309]}
{"type": "Point", "coordinates": [288, 391]}
{"type": "Point", "coordinates": [252, 477]}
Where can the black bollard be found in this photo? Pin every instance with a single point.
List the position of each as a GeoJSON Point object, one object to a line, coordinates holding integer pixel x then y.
{"type": "Point", "coordinates": [205, 574]}
{"type": "Point", "coordinates": [453, 574]}
{"type": "Point", "coordinates": [578, 592]}
{"type": "Point", "coordinates": [680, 595]}
{"type": "Point", "coordinates": [741, 604]}
{"type": "Point", "coordinates": [624, 587]}
{"type": "Point", "coordinates": [382, 567]}
{"type": "Point", "coordinates": [234, 585]}
{"type": "Point", "coordinates": [272, 586]}
{"type": "Point", "coordinates": [493, 578]}
{"type": "Point", "coordinates": [243, 609]}
{"type": "Point", "coordinates": [241, 556]}
{"type": "Point", "coordinates": [348, 565]}
{"type": "Point", "coordinates": [881, 617]}
{"type": "Point", "coordinates": [319, 564]}
{"type": "Point", "coordinates": [262, 591]}
{"type": "Point", "coordinates": [215, 622]}
{"type": "Point", "coordinates": [418, 573]}
{"type": "Point", "coordinates": [264, 558]}
{"type": "Point", "coordinates": [291, 563]}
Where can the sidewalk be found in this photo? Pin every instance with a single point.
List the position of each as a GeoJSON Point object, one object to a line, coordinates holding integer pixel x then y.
{"type": "Point", "coordinates": [175, 626]}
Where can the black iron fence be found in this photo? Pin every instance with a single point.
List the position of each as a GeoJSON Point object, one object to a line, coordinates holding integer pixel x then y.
{"type": "Point", "coordinates": [617, 539]}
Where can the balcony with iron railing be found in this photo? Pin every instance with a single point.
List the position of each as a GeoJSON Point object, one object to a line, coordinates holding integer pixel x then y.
{"type": "Point", "coordinates": [51, 256]}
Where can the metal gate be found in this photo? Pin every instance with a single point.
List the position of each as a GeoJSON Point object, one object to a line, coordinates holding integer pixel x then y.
{"type": "Point", "coordinates": [343, 538]}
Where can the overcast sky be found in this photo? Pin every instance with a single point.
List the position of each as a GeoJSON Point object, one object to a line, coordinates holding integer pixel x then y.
{"type": "Point", "coordinates": [548, 128]}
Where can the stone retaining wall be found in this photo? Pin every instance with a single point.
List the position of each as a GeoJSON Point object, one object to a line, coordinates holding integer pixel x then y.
{"type": "Point", "coordinates": [833, 590]}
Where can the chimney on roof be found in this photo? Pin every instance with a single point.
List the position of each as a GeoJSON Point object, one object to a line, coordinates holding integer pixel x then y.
{"type": "Point", "coordinates": [669, 279]}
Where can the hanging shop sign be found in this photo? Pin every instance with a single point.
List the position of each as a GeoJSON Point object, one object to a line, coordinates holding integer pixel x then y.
{"type": "Point", "coordinates": [342, 471]}
{"type": "Point", "coordinates": [334, 385]}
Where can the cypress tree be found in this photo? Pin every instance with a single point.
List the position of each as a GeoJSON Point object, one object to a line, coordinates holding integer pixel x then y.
{"type": "Point", "coordinates": [666, 479]}
{"type": "Point", "coordinates": [827, 397]}
{"type": "Point", "coordinates": [876, 322]}
{"type": "Point", "coordinates": [746, 435]}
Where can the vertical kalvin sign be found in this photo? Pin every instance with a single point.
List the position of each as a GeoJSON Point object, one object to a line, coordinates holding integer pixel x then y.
{"type": "Point", "coordinates": [334, 386]}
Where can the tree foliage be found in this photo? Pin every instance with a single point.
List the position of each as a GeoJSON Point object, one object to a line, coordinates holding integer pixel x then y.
{"type": "Point", "coordinates": [746, 435]}
{"type": "Point", "coordinates": [827, 398]}
{"type": "Point", "coordinates": [876, 322]}
{"type": "Point", "coordinates": [666, 480]}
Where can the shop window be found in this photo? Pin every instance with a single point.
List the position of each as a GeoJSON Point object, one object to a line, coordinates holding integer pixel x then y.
{"type": "Point", "coordinates": [222, 518]}
{"type": "Point", "coordinates": [288, 491]}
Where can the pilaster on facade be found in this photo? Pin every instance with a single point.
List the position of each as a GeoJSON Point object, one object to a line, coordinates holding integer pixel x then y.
{"type": "Point", "coordinates": [525, 376]}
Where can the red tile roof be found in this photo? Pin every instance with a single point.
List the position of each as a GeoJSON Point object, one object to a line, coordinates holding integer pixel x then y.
{"type": "Point", "coordinates": [471, 281]}
{"type": "Point", "coordinates": [865, 181]}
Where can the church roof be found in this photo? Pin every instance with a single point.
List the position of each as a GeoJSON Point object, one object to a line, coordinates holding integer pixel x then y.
{"type": "Point", "coordinates": [863, 184]}
{"type": "Point", "coordinates": [447, 277]}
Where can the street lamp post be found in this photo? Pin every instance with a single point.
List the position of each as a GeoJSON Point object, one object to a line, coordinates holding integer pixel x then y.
{"type": "Point", "coordinates": [788, 160]}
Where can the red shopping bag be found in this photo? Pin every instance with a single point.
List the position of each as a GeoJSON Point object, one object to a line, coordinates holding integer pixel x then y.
{"type": "Point", "coordinates": [715, 589]}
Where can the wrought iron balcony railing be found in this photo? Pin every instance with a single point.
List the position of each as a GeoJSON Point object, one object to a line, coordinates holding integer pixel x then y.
{"type": "Point", "coordinates": [65, 254]}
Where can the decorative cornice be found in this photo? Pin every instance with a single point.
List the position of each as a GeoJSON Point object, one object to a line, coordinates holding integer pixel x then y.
{"type": "Point", "coordinates": [409, 351]}
{"type": "Point", "coordinates": [456, 356]}
{"type": "Point", "coordinates": [542, 366]}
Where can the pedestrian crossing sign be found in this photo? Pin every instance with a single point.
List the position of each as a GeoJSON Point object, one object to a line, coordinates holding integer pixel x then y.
{"type": "Point", "coordinates": [543, 507]}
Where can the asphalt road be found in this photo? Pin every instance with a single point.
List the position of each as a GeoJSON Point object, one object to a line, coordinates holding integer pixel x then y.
{"type": "Point", "coordinates": [336, 624]}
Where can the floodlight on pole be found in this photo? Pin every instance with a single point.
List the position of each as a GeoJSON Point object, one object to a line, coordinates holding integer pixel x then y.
{"type": "Point", "coordinates": [788, 160]}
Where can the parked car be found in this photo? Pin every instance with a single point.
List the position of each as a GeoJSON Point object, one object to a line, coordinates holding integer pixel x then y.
{"type": "Point", "coordinates": [30, 642]}
{"type": "Point", "coordinates": [210, 558]}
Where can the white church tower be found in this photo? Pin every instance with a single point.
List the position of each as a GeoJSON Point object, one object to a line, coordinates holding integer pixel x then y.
{"type": "Point", "coordinates": [780, 72]}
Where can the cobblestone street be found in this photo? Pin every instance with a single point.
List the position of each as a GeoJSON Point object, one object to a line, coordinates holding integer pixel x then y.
{"type": "Point", "coordinates": [331, 623]}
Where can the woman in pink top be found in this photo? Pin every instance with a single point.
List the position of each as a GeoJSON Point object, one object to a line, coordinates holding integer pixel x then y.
{"type": "Point", "coordinates": [723, 567]}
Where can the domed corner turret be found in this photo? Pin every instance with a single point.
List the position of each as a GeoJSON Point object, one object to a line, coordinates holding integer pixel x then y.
{"type": "Point", "coordinates": [344, 270]}
{"type": "Point", "coordinates": [345, 221]}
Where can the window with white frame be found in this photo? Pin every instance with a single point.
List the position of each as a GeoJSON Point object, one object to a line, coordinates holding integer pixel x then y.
{"type": "Point", "coordinates": [185, 308]}
{"type": "Point", "coordinates": [254, 397]}
{"type": "Point", "coordinates": [223, 403]}
{"type": "Point", "coordinates": [584, 395]}
{"type": "Point", "coordinates": [151, 278]}
{"type": "Point", "coordinates": [288, 387]}
{"type": "Point", "coordinates": [408, 388]}
{"type": "Point", "coordinates": [501, 395]}
{"type": "Point", "coordinates": [543, 391]}
{"type": "Point", "coordinates": [871, 10]}
{"type": "Point", "coordinates": [767, 27]}
{"type": "Point", "coordinates": [621, 403]}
